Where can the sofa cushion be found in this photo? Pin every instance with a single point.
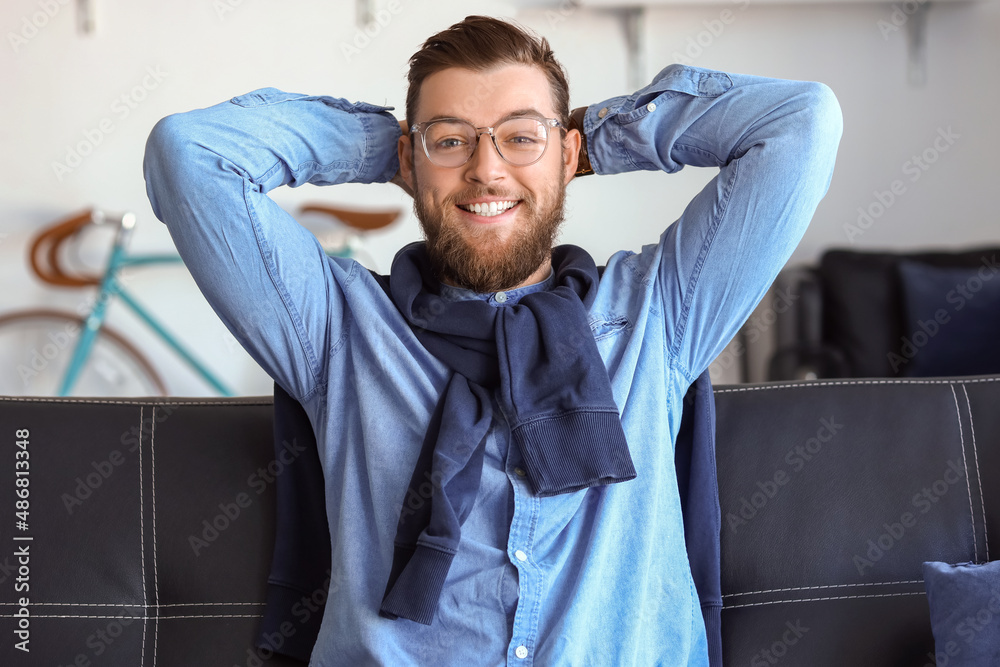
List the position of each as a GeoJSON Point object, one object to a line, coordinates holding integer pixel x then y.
{"type": "Point", "coordinates": [952, 320]}
{"type": "Point", "coordinates": [862, 302]}
{"type": "Point", "coordinates": [964, 600]}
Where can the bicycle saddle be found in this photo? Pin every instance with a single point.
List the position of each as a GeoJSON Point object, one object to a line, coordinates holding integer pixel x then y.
{"type": "Point", "coordinates": [363, 220]}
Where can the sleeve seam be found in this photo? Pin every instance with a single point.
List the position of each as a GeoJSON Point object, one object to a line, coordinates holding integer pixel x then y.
{"type": "Point", "coordinates": [692, 285]}
{"type": "Point", "coordinates": [279, 288]}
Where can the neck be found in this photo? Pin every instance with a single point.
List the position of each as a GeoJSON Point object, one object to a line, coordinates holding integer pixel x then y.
{"type": "Point", "coordinates": [540, 274]}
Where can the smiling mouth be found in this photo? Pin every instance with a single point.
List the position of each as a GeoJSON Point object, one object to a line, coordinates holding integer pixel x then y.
{"type": "Point", "coordinates": [490, 209]}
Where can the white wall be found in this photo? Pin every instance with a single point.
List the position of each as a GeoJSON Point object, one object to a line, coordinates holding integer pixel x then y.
{"type": "Point", "coordinates": [59, 86]}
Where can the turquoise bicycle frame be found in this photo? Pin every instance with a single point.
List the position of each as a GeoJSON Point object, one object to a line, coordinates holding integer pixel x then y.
{"type": "Point", "coordinates": [112, 287]}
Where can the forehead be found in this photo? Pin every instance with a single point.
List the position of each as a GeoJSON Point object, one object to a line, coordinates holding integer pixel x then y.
{"type": "Point", "coordinates": [483, 97]}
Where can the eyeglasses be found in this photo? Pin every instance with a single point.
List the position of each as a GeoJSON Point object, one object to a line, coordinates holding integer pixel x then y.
{"type": "Point", "coordinates": [520, 141]}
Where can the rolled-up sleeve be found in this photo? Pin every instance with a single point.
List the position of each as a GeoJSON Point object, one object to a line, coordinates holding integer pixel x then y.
{"type": "Point", "coordinates": [775, 144]}
{"type": "Point", "coordinates": [208, 173]}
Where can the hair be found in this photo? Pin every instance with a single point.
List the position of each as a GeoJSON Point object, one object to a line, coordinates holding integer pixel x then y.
{"type": "Point", "coordinates": [479, 43]}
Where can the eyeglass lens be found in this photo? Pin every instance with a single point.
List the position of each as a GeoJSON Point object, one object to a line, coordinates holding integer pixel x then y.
{"type": "Point", "coordinates": [521, 141]}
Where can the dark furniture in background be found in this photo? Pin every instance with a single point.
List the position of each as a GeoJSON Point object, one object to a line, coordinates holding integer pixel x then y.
{"type": "Point", "coordinates": [153, 521]}
{"type": "Point", "coordinates": [859, 314]}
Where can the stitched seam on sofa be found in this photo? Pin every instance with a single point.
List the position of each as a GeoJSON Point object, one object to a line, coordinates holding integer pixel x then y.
{"type": "Point", "coordinates": [54, 399]}
{"type": "Point", "coordinates": [142, 543]}
{"type": "Point", "coordinates": [965, 464]}
{"type": "Point", "coordinates": [144, 606]}
{"type": "Point", "coordinates": [156, 576]}
{"type": "Point", "coordinates": [979, 477]}
{"type": "Point", "coordinates": [852, 382]}
{"type": "Point", "coordinates": [142, 617]}
{"type": "Point", "coordinates": [845, 597]}
{"type": "Point", "coordinates": [813, 588]}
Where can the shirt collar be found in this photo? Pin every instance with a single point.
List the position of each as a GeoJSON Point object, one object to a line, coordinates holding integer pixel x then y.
{"type": "Point", "coordinates": [505, 297]}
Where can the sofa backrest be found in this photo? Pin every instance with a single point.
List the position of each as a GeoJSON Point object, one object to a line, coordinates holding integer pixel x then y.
{"type": "Point", "coordinates": [833, 493]}
{"type": "Point", "coordinates": [152, 521]}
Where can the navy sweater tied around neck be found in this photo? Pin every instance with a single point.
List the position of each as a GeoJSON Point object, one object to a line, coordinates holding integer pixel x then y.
{"type": "Point", "coordinates": [557, 398]}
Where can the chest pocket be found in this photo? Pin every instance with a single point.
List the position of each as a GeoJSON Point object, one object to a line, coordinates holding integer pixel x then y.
{"type": "Point", "coordinates": [606, 328]}
{"type": "Point", "coordinates": [612, 335]}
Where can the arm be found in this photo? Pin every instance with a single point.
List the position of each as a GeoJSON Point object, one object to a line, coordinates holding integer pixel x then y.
{"type": "Point", "coordinates": [775, 144]}
{"type": "Point", "coordinates": [208, 173]}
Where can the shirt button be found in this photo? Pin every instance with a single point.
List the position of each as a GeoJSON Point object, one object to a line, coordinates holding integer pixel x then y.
{"type": "Point", "coordinates": [602, 113]}
{"type": "Point", "coordinates": [520, 555]}
{"type": "Point", "coordinates": [521, 652]}
{"type": "Point", "coordinates": [501, 297]}
{"type": "Point", "coordinates": [520, 472]}
{"type": "Point", "coordinates": [650, 107]}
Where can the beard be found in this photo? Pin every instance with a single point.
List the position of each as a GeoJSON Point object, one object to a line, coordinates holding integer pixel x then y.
{"type": "Point", "coordinates": [481, 259]}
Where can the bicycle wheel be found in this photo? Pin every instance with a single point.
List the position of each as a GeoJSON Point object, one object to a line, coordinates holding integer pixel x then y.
{"type": "Point", "coordinates": [36, 346]}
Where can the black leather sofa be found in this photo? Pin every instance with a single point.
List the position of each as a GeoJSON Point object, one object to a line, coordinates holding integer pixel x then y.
{"type": "Point", "coordinates": [151, 522]}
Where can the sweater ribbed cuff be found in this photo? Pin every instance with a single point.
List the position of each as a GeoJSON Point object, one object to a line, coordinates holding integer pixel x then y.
{"type": "Point", "coordinates": [713, 630]}
{"type": "Point", "coordinates": [558, 461]}
{"type": "Point", "coordinates": [415, 583]}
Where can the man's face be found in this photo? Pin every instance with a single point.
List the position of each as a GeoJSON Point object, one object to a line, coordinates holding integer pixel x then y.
{"type": "Point", "coordinates": [482, 252]}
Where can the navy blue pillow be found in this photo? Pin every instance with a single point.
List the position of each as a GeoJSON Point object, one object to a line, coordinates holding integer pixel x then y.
{"type": "Point", "coordinates": [952, 320]}
{"type": "Point", "coordinates": [965, 613]}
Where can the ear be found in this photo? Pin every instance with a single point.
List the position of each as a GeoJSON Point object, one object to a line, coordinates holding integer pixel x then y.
{"type": "Point", "coordinates": [405, 152]}
{"type": "Point", "coordinates": [571, 154]}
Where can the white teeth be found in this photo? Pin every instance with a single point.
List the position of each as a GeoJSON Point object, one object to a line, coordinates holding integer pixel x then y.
{"type": "Point", "coordinates": [490, 209]}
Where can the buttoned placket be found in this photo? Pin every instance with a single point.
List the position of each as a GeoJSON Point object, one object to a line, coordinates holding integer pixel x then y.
{"type": "Point", "coordinates": [520, 545]}
{"type": "Point", "coordinates": [520, 542]}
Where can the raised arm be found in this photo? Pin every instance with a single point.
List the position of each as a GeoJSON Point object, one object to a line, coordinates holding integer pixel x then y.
{"type": "Point", "coordinates": [208, 173]}
{"type": "Point", "coordinates": [775, 143]}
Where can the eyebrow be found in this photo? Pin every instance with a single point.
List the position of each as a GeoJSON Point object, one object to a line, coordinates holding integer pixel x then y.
{"type": "Point", "coordinates": [527, 111]}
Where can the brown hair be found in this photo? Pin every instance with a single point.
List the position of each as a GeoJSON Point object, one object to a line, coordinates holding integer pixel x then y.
{"type": "Point", "coordinates": [479, 43]}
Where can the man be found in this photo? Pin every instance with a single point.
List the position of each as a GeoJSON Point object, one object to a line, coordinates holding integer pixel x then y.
{"type": "Point", "coordinates": [496, 421]}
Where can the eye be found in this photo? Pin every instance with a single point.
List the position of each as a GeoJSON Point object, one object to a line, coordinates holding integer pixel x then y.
{"type": "Point", "coordinates": [449, 143]}
{"type": "Point", "coordinates": [522, 134]}
{"type": "Point", "coordinates": [522, 140]}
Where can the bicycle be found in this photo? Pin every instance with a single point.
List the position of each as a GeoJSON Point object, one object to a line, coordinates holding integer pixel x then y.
{"type": "Point", "coordinates": [46, 352]}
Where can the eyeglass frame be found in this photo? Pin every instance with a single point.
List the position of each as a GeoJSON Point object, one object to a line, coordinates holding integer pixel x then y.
{"type": "Point", "coordinates": [419, 128]}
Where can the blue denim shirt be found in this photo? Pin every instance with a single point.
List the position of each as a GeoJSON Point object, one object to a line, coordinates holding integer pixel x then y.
{"type": "Point", "coordinates": [595, 577]}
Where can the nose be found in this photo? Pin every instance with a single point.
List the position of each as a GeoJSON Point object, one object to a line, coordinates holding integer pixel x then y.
{"type": "Point", "coordinates": [485, 165]}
